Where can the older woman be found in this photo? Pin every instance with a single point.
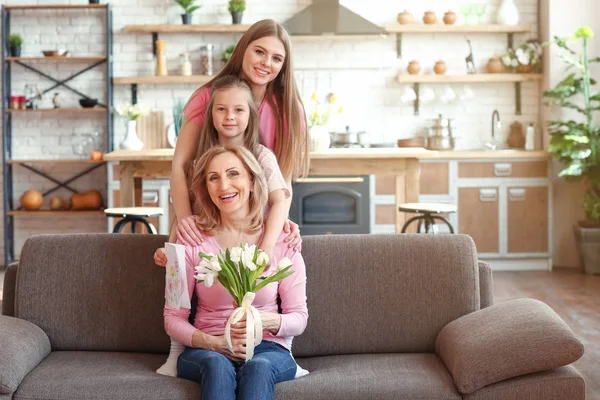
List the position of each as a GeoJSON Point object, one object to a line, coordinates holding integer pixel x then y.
{"type": "Point", "coordinates": [231, 196]}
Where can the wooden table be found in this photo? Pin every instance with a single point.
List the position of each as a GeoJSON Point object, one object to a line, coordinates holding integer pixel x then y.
{"type": "Point", "coordinates": [403, 163]}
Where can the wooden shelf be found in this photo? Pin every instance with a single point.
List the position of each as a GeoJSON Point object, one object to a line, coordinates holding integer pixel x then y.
{"type": "Point", "coordinates": [158, 80]}
{"type": "Point", "coordinates": [55, 7]}
{"type": "Point", "coordinates": [439, 28]}
{"type": "Point", "coordinates": [63, 58]}
{"type": "Point", "coordinates": [60, 110]}
{"type": "Point", "coordinates": [56, 161]}
{"type": "Point", "coordinates": [472, 78]}
{"type": "Point", "coordinates": [226, 28]}
{"type": "Point", "coordinates": [49, 213]}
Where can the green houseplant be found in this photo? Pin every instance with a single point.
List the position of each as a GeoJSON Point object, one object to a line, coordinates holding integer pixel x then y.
{"type": "Point", "coordinates": [189, 6]}
{"type": "Point", "coordinates": [576, 143]}
{"type": "Point", "coordinates": [237, 8]}
{"type": "Point", "coordinates": [226, 54]}
{"type": "Point", "coordinates": [14, 43]}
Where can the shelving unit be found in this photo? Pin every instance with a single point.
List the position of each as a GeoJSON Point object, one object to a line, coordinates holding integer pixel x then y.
{"type": "Point", "coordinates": [509, 30]}
{"type": "Point", "coordinates": [10, 211]}
{"type": "Point", "coordinates": [470, 78]}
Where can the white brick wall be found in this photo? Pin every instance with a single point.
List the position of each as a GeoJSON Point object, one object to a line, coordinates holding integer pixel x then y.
{"type": "Point", "coordinates": [360, 71]}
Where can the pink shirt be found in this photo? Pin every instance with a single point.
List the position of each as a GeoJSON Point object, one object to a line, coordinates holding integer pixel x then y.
{"type": "Point", "coordinates": [215, 304]}
{"type": "Point", "coordinates": [196, 112]}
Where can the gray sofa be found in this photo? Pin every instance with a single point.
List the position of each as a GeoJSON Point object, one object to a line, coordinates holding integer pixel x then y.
{"type": "Point", "coordinates": [390, 317]}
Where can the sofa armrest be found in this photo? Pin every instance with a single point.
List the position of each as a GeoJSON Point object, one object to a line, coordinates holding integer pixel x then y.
{"type": "Point", "coordinates": [486, 285]}
{"type": "Point", "coordinates": [9, 288]}
{"type": "Point", "coordinates": [24, 345]}
{"type": "Point", "coordinates": [505, 340]}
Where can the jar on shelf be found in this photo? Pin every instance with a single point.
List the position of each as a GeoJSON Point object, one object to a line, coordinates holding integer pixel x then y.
{"type": "Point", "coordinates": [206, 59]}
{"type": "Point", "coordinates": [185, 66]}
{"type": "Point", "coordinates": [32, 95]}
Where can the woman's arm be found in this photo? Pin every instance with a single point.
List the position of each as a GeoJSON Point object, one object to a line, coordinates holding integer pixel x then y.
{"type": "Point", "coordinates": [292, 292]}
{"type": "Point", "coordinates": [185, 151]}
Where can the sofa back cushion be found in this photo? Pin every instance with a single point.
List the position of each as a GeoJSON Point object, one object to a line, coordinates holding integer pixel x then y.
{"type": "Point", "coordinates": [94, 291]}
{"type": "Point", "coordinates": [385, 293]}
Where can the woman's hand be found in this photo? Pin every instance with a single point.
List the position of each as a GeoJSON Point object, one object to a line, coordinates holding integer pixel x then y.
{"type": "Point", "coordinates": [293, 238]}
{"type": "Point", "coordinates": [271, 321]}
{"type": "Point", "coordinates": [160, 258]}
{"type": "Point", "coordinates": [218, 344]}
{"type": "Point", "coordinates": [188, 232]}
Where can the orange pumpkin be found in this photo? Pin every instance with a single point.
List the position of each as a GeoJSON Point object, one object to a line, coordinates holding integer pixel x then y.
{"type": "Point", "coordinates": [90, 200]}
{"type": "Point", "coordinates": [32, 200]}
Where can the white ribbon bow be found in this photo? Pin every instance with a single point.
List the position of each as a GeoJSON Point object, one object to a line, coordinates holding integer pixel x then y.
{"type": "Point", "coordinates": [253, 325]}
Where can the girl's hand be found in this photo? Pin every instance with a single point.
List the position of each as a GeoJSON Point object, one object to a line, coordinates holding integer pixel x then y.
{"type": "Point", "coordinates": [188, 232]}
{"type": "Point", "coordinates": [160, 258]}
{"type": "Point", "coordinates": [293, 238]}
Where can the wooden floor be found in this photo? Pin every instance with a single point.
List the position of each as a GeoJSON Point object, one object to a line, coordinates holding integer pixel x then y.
{"type": "Point", "coordinates": [575, 297]}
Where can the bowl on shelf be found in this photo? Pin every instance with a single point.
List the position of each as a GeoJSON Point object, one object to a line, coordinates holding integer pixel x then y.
{"type": "Point", "coordinates": [412, 142]}
{"type": "Point", "coordinates": [55, 53]}
{"type": "Point", "coordinates": [88, 103]}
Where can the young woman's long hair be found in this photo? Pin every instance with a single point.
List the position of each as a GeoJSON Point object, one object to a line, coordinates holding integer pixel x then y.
{"type": "Point", "coordinates": [209, 216]}
{"type": "Point", "coordinates": [291, 140]}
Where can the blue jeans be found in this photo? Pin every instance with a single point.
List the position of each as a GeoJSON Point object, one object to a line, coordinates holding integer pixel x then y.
{"type": "Point", "coordinates": [220, 376]}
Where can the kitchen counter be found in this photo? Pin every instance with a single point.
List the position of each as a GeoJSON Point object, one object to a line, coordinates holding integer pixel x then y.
{"type": "Point", "coordinates": [494, 155]}
{"type": "Point", "coordinates": [403, 163]}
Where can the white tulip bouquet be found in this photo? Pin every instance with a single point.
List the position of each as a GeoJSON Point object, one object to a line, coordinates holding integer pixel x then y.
{"type": "Point", "coordinates": [240, 271]}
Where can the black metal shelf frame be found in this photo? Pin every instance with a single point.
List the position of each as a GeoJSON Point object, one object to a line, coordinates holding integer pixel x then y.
{"type": "Point", "coordinates": [7, 168]}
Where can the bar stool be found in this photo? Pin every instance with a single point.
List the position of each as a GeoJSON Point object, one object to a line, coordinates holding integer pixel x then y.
{"type": "Point", "coordinates": [429, 214]}
{"type": "Point", "coordinates": [132, 215]}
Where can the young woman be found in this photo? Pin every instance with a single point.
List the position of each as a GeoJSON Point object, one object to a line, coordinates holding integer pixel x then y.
{"type": "Point", "coordinates": [227, 222]}
{"type": "Point", "coordinates": [263, 59]}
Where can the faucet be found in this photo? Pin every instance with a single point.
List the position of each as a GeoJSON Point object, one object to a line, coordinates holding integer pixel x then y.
{"type": "Point", "coordinates": [495, 116]}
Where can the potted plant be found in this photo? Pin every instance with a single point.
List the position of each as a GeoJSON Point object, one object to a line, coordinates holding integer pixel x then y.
{"type": "Point", "coordinates": [226, 54]}
{"type": "Point", "coordinates": [523, 59]}
{"type": "Point", "coordinates": [236, 8]}
{"type": "Point", "coordinates": [189, 6]}
{"type": "Point", "coordinates": [576, 143]}
{"type": "Point", "coordinates": [14, 43]}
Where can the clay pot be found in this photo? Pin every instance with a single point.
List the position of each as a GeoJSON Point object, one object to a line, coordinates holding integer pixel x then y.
{"type": "Point", "coordinates": [440, 67]}
{"type": "Point", "coordinates": [495, 66]}
{"type": "Point", "coordinates": [449, 18]}
{"type": "Point", "coordinates": [413, 67]}
{"type": "Point", "coordinates": [405, 18]}
{"type": "Point", "coordinates": [525, 69]}
{"type": "Point", "coordinates": [32, 200]}
{"type": "Point", "coordinates": [516, 139]}
{"type": "Point", "coordinates": [90, 200]}
{"type": "Point", "coordinates": [429, 18]}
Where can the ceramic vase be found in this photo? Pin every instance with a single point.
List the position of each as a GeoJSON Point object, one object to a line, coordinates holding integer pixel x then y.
{"type": "Point", "coordinates": [132, 141]}
{"type": "Point", "coordinates": [508, 14]}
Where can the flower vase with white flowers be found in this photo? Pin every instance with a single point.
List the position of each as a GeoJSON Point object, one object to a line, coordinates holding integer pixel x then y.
{"type": "Point", "coordinates": [241, 270]}
{"type": "Point", "coordinates": [525, 58]}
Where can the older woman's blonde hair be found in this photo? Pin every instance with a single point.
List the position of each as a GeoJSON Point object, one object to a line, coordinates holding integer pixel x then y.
{"type": "Point", "coordinates": [203, 206]}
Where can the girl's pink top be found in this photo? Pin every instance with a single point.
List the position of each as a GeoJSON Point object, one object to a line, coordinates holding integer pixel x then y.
{"type": "Point", "coordinates": [215, 304]}
{"type": "Point", "coordinates": [196, 112]}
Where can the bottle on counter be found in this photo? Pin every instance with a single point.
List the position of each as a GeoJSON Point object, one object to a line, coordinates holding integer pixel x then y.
{"type": "Point", "coordinates": [530, 137]}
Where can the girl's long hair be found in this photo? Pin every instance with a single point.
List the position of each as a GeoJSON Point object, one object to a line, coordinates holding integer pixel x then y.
{"type": "Point", "coordinates": [209, 215]}
{"type": "Point", "coordinates": [291, 139]}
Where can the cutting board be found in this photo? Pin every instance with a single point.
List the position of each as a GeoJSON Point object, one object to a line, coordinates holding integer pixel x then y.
{"type": "Point", "coordinates": [152, 131]}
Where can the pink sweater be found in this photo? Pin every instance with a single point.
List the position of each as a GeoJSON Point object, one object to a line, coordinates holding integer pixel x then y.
{"type": "Point", "coordinates": [196, 111]}
{"type": "Point", "coordinates": [215, 304]}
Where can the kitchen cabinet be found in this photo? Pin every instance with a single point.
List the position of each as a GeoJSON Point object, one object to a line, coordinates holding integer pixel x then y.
{"type": "Point", "coordinates": [504, 204]}
{"type": "Point", "coordinates": [478, 217]}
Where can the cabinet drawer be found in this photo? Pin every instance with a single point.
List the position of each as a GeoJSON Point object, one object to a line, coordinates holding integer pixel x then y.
{"type": "Point", "coordinates": [385, 184]}
{"type": "Point", "coordinates": [517, 169]}
{"type": "Point", "coordinates": [434, 178]}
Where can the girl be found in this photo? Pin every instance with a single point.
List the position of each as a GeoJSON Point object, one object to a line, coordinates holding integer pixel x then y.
{"type": "Point", "coordinates": [232, 120]}
{"type": "Point", "coordinates": [262, 58]}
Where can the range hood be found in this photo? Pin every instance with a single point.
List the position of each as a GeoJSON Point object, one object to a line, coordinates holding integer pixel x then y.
{"type": "Point", "coordinates": [329, 18]}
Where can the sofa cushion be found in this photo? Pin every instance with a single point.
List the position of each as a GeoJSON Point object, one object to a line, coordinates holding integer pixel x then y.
{"type": "Point", "coordinates": [94, 292]}
{"type": "Point", "coordinates": [555, 384]}
{"type": "Point", "coordinates": [385, 293]}
{"type": "Point", "coordinates": [76, 375]}
{"type": "Point", "coordinates": [371, 376]}
{"type": "Point", "coordinates": [506, 340]}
